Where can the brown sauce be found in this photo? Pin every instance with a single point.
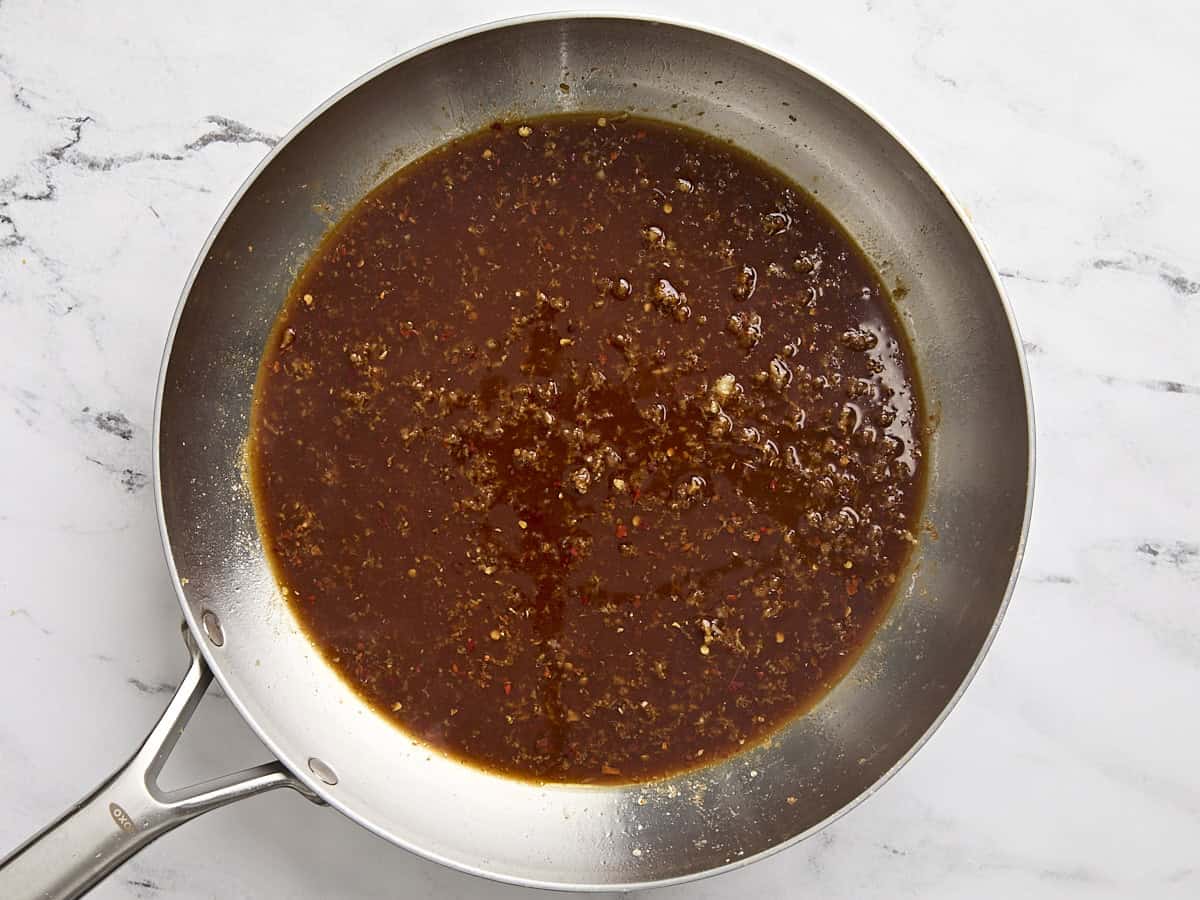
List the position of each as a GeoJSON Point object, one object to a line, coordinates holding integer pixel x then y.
{"type": "Point", "coordinates": [587, 449]}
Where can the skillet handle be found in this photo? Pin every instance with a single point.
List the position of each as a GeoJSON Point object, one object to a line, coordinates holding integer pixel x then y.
{"type": "Point", "coordinates": [128, 811]}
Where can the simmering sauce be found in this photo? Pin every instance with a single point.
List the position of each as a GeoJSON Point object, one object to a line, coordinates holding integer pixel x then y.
{"type": "Point", "coordinates": [587, 449]}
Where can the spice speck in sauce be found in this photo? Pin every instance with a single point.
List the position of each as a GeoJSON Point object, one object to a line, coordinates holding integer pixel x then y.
{"type": "Point", "coordinates": [672, 523]}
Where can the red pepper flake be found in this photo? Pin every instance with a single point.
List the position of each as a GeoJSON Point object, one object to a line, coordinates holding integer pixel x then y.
{"type": "Point", "coordinates": [852, 585]}
{"type": "Point", "coordinates": [470, 644]}
{"type": "Point", "coordinates": [454, 668]}
{"type": "Point", "coordinates": [637, 492]}
{"type": "Point", "coordinates": [584, 600]}
{"type": "Point", "coordinates": [622, 532]}
{"type": "Point", "coordinates": [507, 688]}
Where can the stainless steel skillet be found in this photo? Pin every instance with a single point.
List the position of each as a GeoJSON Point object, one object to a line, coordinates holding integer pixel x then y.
{"type": "Point", "coordinates": [328, 743]}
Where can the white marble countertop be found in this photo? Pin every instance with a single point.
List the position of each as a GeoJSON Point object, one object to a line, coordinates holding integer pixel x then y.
{"type": "Point", "coordinates": [1069, 769]}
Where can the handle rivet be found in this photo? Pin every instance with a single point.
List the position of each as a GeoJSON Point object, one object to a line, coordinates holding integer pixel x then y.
{"type": "Point", "coordinates": [322, 770]}
{"type": "Point", "coordinates": [212, 628]}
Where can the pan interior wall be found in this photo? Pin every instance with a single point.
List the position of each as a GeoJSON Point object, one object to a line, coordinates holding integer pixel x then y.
{"type": "Point", "coordinates": [977, 458]}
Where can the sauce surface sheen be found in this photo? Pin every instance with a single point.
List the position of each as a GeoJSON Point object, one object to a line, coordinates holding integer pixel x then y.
{"type": "Point", "coordinates": [588, 449]}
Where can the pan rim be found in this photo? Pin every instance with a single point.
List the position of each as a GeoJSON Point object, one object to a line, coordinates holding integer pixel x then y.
{"type": "Point", "coordinates": [296, 767]}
